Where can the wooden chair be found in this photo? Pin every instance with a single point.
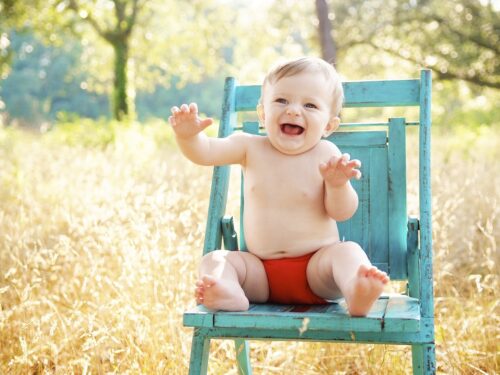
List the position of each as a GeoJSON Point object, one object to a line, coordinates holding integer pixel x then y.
{"type": "Point", "coordinates": [399, 245]}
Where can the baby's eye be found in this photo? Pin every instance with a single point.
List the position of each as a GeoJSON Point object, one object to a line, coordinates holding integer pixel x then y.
{"type": "Point", "coordinates": [311, 105]}
{"type": "Point", "coordinates": [281, 101]}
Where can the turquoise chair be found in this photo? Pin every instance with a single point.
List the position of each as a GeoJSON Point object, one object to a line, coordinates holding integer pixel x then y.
{"type": "Point", "coordinates": [395, 243]}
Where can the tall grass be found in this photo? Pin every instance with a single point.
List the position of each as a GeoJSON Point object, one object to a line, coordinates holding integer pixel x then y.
{"type": "Point", "coordinates": [100, 240]}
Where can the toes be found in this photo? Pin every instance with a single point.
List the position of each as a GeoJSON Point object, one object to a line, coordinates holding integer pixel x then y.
{"type": "Point", "coordinates": [208, 281]}
{"type": "Point", "coordinates": [363, 270]}
{"type": "Point", "coordinates": [382, 276]}
{"type": "Point", "coordinates": [372, 272]}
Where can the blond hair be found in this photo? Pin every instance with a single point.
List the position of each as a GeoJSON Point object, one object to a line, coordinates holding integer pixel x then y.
{"type": "Point", "coordinates": [309, 64]}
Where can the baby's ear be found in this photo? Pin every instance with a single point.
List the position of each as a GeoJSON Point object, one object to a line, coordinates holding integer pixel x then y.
{"type": "Point", "coordinates": [332, 125]}
{"type": "Point", "coordinates": [260, 113]}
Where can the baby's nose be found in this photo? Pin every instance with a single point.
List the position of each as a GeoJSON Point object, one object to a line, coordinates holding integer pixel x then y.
{"type": "Point", "coordinates": [293, 110]}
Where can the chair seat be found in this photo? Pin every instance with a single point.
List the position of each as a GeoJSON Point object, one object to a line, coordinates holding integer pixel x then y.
{"type": "Point", "coordinates": [390, 313]}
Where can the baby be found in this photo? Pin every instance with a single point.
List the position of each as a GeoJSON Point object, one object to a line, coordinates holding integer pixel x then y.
{"type": "Point", "coordinates": [297, 186]}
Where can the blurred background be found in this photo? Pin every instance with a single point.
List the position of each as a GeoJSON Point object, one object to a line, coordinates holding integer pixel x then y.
{"type": "Point", "coordinates": [102, 220]}
{"type": "Point", "coordinates": [66, 59]}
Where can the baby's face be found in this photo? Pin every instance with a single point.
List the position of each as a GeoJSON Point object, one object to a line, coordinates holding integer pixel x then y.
{"type": "Point", "coordinates": [296, 112]}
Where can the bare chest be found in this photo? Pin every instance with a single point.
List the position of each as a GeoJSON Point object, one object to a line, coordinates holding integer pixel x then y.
{"type": "Point", "coordinates": [276, 179]}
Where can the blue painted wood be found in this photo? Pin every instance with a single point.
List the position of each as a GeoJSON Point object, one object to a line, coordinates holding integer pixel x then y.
{"type": "Point", "coordinates": [243, 356]}
{"type": "Point", "coordinates": [393, 93]}
{"type": "Point", "coordinates": [382, 191]}
{"type": "Point", "coordinates": [220, 178]}
{"type": "Point", "coordinates": [229, 235]}
{"type": "Point", "coordinates": [402, 314]}
{"type": "Point", "coordinates": [424, 359]}
{"type": "Point", "coordinates": [425, 197]}
{"type": "Point", "coordinates": [424, 336]}
{"type": "Point", "coordinates": [413, 259]}
{"type": "Point", "coordinates": [200, 348]}
{"type": "Point", "coordinates": [333, 318]}
{"type": "Point", "coordinates": [363, 139]}
{"type": "Point", "coordinates": [394, 314]}
{"type": "Point", "coordinates": [198, 316]}
{"type": "Point", "coordinates": [397, 198]}
{"type": "Point", "coordinates": [251, 127]}
{"type": "Point", "coordinates": [378, 207]}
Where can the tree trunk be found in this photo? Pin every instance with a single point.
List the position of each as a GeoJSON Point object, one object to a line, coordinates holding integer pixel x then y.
{"type": "Point", "coordinates": [328, 48]}
{"type": "Point", "coordinates": [119, 103]}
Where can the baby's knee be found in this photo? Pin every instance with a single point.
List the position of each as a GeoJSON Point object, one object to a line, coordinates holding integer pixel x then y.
{"type": "Point", "coordinates": [216, 256]}
{"type": "Point", "coordinates": [345, 246]}
{"type": "Point", "coordinates": [351, 245]}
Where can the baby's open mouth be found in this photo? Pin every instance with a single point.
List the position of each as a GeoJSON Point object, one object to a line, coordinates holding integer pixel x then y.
{"type": "Point", "coordinates": [291, 129]}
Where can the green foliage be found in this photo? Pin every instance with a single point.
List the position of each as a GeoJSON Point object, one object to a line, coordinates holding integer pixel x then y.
{"type": "Point", "coordinates": [181, 52]}
{"type": "Point", "coordinates": [47, 80]}
{"type": "Point", "coordinates": [456, 104]}
{"type": "Point", "coordinates": [457, 39]}
{"type": "Point", "coordinates": [72, 131]}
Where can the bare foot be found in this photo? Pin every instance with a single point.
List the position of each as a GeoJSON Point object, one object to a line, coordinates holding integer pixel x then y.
{"type": "Point", "coordinates": [220, 294]}
{"type": "Point", "coordinates": [365, 288]}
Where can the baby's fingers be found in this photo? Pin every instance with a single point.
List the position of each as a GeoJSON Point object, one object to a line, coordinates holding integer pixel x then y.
{"type": "Point", "coordinates": [174, 110]}
{"type": "Point", "coordinates": [354, 163]}
{"type": "Point", "coordinates": [193, 108]}
{"type": "Point", "coordinates": [356, 174]}
{"type": "Point", "coordinates": [206, 122]}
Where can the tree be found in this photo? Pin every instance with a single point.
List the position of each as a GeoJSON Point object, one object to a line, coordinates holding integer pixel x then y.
{"type": "Point", "coordinates": [45, 82]}
{"type": "Point", "coordinates": [456, 39]}
{"type": "Point", "coordinates": [151, 41]}
{"type": "Point", "coordinates": [12, 15]}
{"type": "Point", "coordinates": [328, 45]}
{"type": "Point", "coordinates": [118, 34]}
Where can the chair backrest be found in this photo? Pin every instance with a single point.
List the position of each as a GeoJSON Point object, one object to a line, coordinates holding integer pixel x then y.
{"type": "Point", "coordinates": [380, 223]}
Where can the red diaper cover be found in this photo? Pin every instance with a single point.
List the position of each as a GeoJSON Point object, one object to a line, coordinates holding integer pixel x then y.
{"type": "Point", "coordinates": [287, 278]}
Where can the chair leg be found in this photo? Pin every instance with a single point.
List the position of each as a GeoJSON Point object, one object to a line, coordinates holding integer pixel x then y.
{"type": "Point", "coordinates": [243, 357]}
{"type": "Point", "coordinates": [200, 348]}
{"type": "Point", "coordinates": [424, 359]}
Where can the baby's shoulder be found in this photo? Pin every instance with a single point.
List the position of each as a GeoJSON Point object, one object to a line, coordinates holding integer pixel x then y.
{"type": "Point", "coordinates": [245, 139]}
{"type": "Point", "coordinates": [327, 148]}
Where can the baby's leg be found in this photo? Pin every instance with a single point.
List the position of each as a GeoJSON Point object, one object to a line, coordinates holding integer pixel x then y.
{"type": "Point", "coordinates": [229, 279]}
{"type": "Point", "coordinates": [343, 268]}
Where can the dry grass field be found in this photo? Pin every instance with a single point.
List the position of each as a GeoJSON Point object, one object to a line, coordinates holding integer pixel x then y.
{"type": "Point", "coordinates": [99, 249]}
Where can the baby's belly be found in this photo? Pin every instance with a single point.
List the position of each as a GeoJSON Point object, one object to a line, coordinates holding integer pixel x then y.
{"type": "Point", "coordinates": [287, 235]}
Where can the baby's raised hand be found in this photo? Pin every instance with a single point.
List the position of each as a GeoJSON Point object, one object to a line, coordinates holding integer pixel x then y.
{"type": "Point", "coordinates": [340, 169]}
{"type": "Point", "coordinates": [186, 122]}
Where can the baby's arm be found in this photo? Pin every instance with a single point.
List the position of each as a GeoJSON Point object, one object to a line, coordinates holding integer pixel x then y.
{"type": "Point", "coordinates": [341, 200]}
{"type": "Point", "coordinates": [197, 147]}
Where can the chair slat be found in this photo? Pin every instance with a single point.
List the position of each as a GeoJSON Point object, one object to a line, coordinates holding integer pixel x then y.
{"type": "Point", "coordinates": [390, 93]}
{"type": "Point", "coordinates": [378, 251]}
{"type": "Point", "coordinates": [334, 318]}
{"type": "Point", "coordinates": [402, 314]}
{"type": "Point", "coordinates": [398, 228]}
